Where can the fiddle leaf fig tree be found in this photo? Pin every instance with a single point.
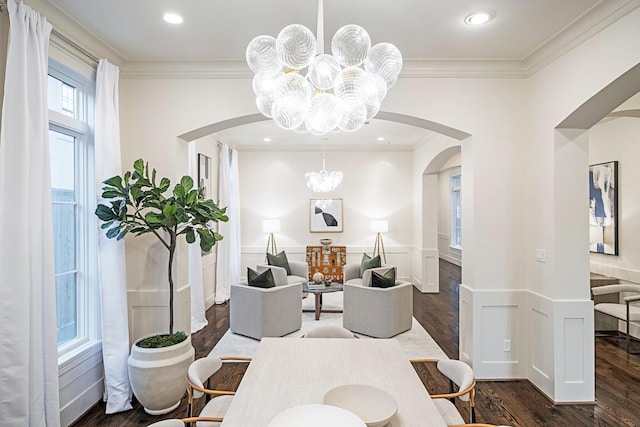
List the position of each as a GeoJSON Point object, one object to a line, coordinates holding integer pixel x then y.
{"type": "Point", "coordinates": [138, 205]}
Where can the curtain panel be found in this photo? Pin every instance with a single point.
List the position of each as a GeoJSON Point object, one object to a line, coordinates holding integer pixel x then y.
{"type": "Point", "coordinates": [28, 342]}
{"type": "Point", "coordinates": [111, 252]}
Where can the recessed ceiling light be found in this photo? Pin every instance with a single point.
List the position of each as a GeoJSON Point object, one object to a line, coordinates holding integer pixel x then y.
{"type": "Point", "coordinates": [267, 139]}
{"type": "Point", "coordinates": [479, 18]}
{"type": "Point", "coordinates": [172, 18]}
{"type": "Point", "coordinates": [380, 138]}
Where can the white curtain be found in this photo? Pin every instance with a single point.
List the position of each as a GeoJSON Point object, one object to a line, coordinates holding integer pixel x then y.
{"type": "Point", "coordinates": [198, 312]}
{"type": "Point", "coordinates": [228, 261]}
{"type": "Point", "coordinates": [111, 255]}
{"type": "Point", "coordinates": [28, 344]}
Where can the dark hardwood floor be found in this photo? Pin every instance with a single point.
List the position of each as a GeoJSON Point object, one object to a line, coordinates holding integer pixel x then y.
{"type": "Point", "coordinates": [515, 403]}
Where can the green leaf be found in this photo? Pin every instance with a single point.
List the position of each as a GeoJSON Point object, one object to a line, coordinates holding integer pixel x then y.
{"type": "Point", "coordinates": [153, 218]}
{"type": "Point", "coordinates": [164, 184]}
{"type": "Point", "coordinates": [190, 235]}
{"type": "Point", "coordinates": [192, 196]}
{"type": "Point", "coordinates": [114, 181]}
{"type": "Point", "coordinates": [169, 211]}
{"type": "Point", "coordinates": [187, 182]}
{"type": "Point", "coordinates": [136, 193]}
{"type": "Point", "coordinates": [111, 194]}
{"type": "Point", "coordinates": [113, 232]}
{"type": "Point", "coordinates": [138, 166]}
{"type": "Point", "coordinates": [153, 178]}
{"type": "Point", "coordinates": [179, 191]}
{"type": "Point", "coordinates": [106, 225]}
{"type": "Point", "coordinates": [127, 177]}
{"type": "Point", "coordinates": [104, 213]}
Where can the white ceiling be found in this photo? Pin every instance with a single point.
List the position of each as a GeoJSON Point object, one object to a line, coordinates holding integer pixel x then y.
{"type": "Point", "coordinates": [215, 30]}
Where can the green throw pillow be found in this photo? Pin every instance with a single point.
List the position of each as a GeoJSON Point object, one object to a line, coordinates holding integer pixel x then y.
{"type": "Point", "coordinates": [385, 280]}
{"type": "Point", "coordinates": [260, 280]}
{"type": "Point", "coordinates": [279, 260]}
{"type": "Point", "coordinates": [368, 262]}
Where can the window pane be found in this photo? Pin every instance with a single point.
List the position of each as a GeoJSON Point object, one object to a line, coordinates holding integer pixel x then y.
{"type": "Point", "coordinates": [64, 237]}
{"type": "Point", "coordinates": [62, 97]}
{"type": "Point", "coordinates": [67, 307]}
{"type": "Point", "coordinates": [63, 176]}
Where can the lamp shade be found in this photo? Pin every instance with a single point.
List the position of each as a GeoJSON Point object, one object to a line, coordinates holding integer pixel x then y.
{"type": "Point", "coordinates": [271, 225]}
{"type": "Point", "coordinates": [380, 226]}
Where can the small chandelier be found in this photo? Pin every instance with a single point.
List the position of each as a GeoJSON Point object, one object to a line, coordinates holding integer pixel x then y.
{"type": "Point", "coordinates": [323, 181]}
{"type": "Point", "coordinates": [341, 91]}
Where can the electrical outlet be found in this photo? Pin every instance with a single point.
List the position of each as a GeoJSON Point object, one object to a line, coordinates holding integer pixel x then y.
{"type": "Point", "coordinates": [507, 346]}
{"type": "Point", "coordinates": [541, 255]}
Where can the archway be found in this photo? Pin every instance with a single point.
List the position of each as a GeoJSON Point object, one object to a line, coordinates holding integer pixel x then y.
{"type": "Point", "coordinates": [571, 160]}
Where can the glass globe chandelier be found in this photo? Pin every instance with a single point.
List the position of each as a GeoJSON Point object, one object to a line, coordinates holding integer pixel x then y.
{"type": "Point", "coordinates": [340, 91]}
{"type": "Point", "coordinates": [323, 181]}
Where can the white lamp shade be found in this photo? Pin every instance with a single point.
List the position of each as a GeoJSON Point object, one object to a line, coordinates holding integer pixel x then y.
{"type": "Point", "coordinates": [380, 226]}
{"type": "Point", "coordinates": [271, 225]}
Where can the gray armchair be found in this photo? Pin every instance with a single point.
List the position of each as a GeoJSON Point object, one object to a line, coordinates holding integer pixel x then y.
{"type": "Point", "coordinates": [265, 312]}
{"type": "Point", "coordinates": [299, 272]}
{"type": "Point", "coordinates": [351, 274]}
{"type": "Point", "coordinates": [378, 312]}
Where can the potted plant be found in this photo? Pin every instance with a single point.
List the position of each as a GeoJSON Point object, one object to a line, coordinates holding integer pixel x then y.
{"type": "Point", "coordinates": [138, 205]}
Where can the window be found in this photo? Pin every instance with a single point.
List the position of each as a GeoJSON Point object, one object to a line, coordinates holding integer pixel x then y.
{"type": "Point", "coordinates": [73, 200]}
{"type": "Point", "coordinates": [456, 213]}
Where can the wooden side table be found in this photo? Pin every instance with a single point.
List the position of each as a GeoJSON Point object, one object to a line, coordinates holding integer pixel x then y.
{"type": "Point", "coordinates": [327, 260]}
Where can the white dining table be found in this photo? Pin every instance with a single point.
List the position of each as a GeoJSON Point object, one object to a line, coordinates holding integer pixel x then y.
{"type": "Point", "coordinates": [288, 372]}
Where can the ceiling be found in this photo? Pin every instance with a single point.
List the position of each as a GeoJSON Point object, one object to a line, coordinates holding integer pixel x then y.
{"type": "Point", "coordinates": [215, 30]}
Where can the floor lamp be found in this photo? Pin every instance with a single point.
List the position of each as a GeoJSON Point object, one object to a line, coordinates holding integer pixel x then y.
{"type": "Point", "coordinates": [271, 226]}
{"type": "Point", "coordinates": [379, 227]}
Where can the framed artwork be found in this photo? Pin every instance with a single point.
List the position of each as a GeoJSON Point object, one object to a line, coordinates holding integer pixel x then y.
{"type": "Point", "coordinates": [325, 216]}
{"type": "Point", "coordinates": [204, 175]}
{"type": "Point", "coordinates": [603, 208]}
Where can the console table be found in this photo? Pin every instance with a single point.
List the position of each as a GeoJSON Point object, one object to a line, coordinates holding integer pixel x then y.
{"type": "Point", "coordinates": [327, 260]}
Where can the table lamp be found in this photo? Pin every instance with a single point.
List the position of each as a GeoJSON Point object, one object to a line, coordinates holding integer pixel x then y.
{"type": "Point", "coordinates": [271, 226]}
{"type": "Point", "coordinates": [379, 227]}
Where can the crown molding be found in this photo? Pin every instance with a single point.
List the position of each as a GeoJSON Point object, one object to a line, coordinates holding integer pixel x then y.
{"type": "Point", "coordinates": [596, 19]}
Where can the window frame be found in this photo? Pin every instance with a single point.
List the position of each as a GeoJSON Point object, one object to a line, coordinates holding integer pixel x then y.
{"type": "Point", "coordinates": [80, 128]}
{"type": "Point", "coordinates": [455, 240]}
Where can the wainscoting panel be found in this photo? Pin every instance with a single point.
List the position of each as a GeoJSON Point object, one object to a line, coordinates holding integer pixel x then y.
{"type": "Point", "coordinates": [149, 314]}
{"type": "Point", "coordinates": [575, 360]}
{"type": "Point", "coordinates": [540, 316]}
{"type": "Point", "coordinates": [500, 334]}
{"type": "Point", "coordinates": [465, 340]}
{"type": "Point", "coordinates": [81, 383]}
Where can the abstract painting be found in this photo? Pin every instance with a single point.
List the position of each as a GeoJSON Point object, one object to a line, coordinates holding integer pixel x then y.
{"type": "Point", "coordinates": [325, 216]}
{"type": "Point", "coordinates": [603, 208]}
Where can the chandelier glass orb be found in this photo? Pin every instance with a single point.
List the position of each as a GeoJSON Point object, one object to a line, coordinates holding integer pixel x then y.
{"type": "Point", "coordinates": [323, 181]}
{"type": "Point", "coordinates": [306, 90]}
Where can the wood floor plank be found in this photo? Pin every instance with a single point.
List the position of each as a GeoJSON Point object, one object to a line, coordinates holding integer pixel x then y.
{"type": "Point", "coordinates": [515, 403]}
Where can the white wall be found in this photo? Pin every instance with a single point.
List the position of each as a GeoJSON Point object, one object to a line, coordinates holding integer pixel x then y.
{"type": "Point", "coordinates": [376, 185]}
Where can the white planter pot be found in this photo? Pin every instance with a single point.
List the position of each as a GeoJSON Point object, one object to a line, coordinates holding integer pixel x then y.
{"type": "Point", "coordinates": [158, 376]}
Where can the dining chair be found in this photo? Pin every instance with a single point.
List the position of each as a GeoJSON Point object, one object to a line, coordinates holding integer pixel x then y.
{"type": "Point", "coordinates": [177, 422]}
{"type": "Point", "coordinates": [329, 331]}
{"type": "Point", "coordinates": [461, 375]}
{"type": "Point", "coordinates": [217, 401]}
